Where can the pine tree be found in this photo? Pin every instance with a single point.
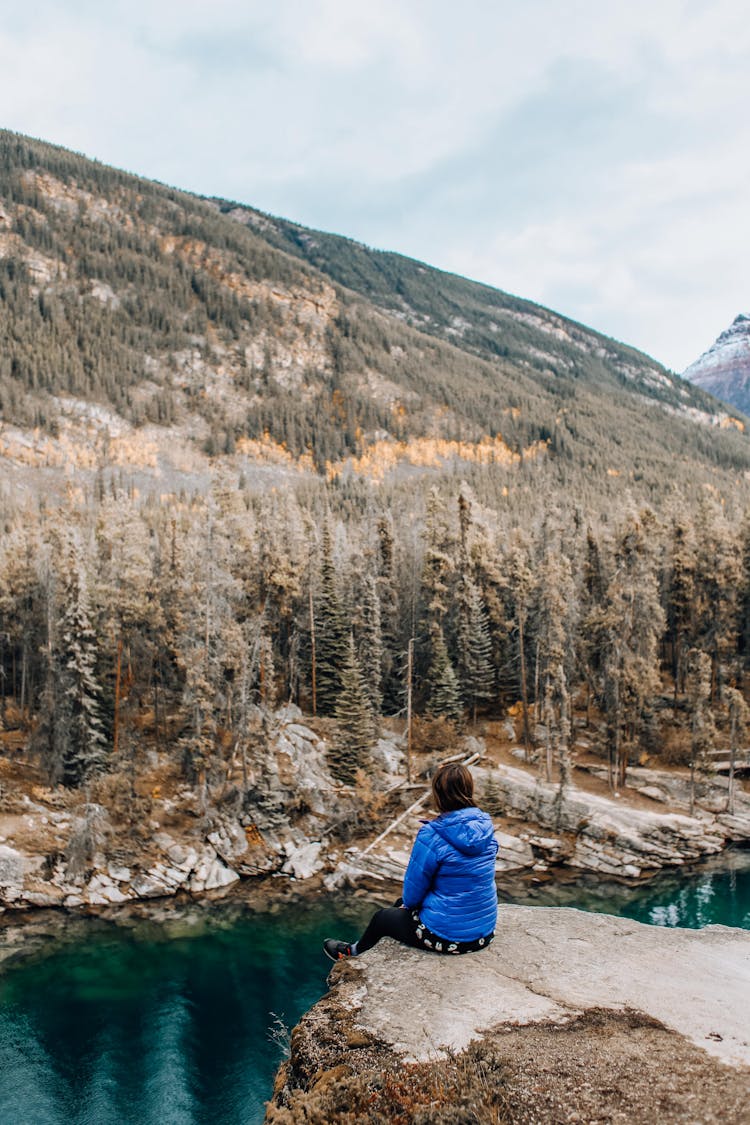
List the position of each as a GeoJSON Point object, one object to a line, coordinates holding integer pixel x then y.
{"type": "Point", "coordinates": [475, 671]}
{"type": "Point", "coordinates": [438, 565]}
{"type": "Point", "coordinates": [21, 618]}
{"type": "Point", "coordinates": [279, 584]}
{"type": "Point", "coordinates": [267, 693]}
{"type": "Point", "coordinates": [555, 624]}
{"type": "Point", "coordinates": [702, 728]}
{"type": "Point", "coordinates": [83, 745]}
{"type": "Point", "coordinates": [129, 618]}
{"type": "Point", "coordinates": [390, 605]}
{"type": "Point", "coordinates": [356, 735]}
{"type": "Point", "coordinates": [739, 719]}
{"type": "Point", "coordinates": [632, 623]}
{"type": "Point", "coordinates": [50, 736]}
{"type": "Point", "coordinates": [211, 648]}
{"type": "Point", "coordinates": [680, 600]}
{"type": "Point", "coordinates": [717, 582]}
{"type": "Point", "coordinates": [371, 646]}
{"type": "Point", "coordinates": [519, 590]}
{"type": "Point", "coordinates": [590, 642]}
{"type": "Point", "coordinates": [744, 596]}
{"type": "Point", "coordinates": [331, 631]}
{"type": "Point", "coordinates": [442, 683]}
{"type": "Point", "coordinates": [473, 643]}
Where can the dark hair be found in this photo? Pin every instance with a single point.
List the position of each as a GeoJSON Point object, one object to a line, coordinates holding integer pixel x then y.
{"type": "Point", "coordinates": [453, 788]}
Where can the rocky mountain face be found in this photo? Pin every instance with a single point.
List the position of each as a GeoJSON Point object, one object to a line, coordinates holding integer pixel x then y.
{"type": "Point", "coordinates": [151, 334]}
{"type": "Point", "coordinates": [724, 370]}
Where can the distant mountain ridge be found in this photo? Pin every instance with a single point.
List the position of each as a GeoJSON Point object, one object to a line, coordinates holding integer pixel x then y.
{"type": "Point", "coordinates": [149, 331]}
{"type": "Point", "coordinates": [724, 369]}
{"type": "Point", "coordinates": [469, 314]}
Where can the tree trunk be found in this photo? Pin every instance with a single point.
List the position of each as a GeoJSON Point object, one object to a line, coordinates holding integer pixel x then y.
{"type": "Point", "coordinates": [156, 707]}
{"type": "Point", "coordinates": [524, 689]}
{"type": "Point", "coordinates": [312, 655]}
{"type": "Point", "coordinates": [732, 761]}
{"type": "Point", "coordinates": [536, 685]}
{"type": "Point", "coordinates": [24, 663]}
{"type": "Point", "coordinates": [588, 703]}
{"type": "Point", "coordinates": [692, 771]}
{"type": "Point", "coordinates": [118, 678]}
{"type": "Point", "coordinates": [409, 667]}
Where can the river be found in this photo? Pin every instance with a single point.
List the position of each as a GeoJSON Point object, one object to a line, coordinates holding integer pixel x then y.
{"type": "Point", "coordinates": [181, 1018]}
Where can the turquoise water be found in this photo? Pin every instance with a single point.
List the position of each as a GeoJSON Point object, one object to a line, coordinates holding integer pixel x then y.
{"type": "Point", "coordinates": [717, 893]}
{"type": "Point", "coordinates": [172, 1022]}
{"type": "Point", "coordinates": [137, 1025]}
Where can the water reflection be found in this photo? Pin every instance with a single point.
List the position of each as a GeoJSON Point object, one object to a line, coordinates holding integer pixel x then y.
{"type": "Point", "coordinates": [139, 1025]}
{"type": "Point", "coordinates": [721, 898]}
{"type": "Point", "coordinates": [717, 894]}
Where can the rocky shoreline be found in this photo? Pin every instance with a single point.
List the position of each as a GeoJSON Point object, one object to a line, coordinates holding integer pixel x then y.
{"type": "Point", "coordinates": [567, 1017]}
{"type": "Point", "coordinates": [541, 832]}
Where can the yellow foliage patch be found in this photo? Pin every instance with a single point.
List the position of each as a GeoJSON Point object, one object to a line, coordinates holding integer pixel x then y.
{"type": "Point", "coordinates": [381, 457]}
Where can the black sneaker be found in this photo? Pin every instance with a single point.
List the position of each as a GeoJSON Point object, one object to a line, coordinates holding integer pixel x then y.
{"type": "Point", "coordinates": [337, 950]}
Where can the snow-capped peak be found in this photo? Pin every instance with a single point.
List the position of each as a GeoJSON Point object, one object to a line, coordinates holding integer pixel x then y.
{"type": "Point", "coordinates": [724, 369]}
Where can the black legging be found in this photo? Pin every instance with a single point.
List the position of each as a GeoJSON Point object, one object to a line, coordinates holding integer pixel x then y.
{"type": "Point", "coordinates": [405, 926]}
{"type": "Point", "coordinates": [392, 921]}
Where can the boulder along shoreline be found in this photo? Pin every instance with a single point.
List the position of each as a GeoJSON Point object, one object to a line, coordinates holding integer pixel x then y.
{"type": "Point", "coordinates": [287, 832]}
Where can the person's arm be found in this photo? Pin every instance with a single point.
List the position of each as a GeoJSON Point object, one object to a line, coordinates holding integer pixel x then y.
{"type": "Point", "coordinates": [422, 866]}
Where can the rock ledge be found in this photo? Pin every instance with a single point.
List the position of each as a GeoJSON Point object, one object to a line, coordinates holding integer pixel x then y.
{"type": "Point", "coordinates": [662, 1013]}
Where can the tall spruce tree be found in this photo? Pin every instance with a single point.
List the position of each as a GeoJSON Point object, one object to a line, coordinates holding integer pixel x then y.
{"type": "Point", "coordinates": [717, 583]}
{"type": "Point", "coordinates": [555, 626]}
{"type": "Point", "coordinates": [353, 711]}
{"type": "Point", "coordinates": [390, 606]}
{"type": "Point", "coordinates": [371, 646]}
{"type": "Point", "coordinates": [744, 597]}
{"type": "Point", "coordinates": [474, 645]}
{"type": "Point", "coordinates": [702, 726]}
{"type": "Point", "coordinates": [590, 637]}
{"type": "Point", "coordinates": [739, 719]}
{"type": "Point", "coordinates": [83, 745]}
{"type": "Point", "coordinates": [442, 683]}
{"type": "Point", "coordinates": [680, 600]}
{"type": "Point", "coordinates": [519, 584]}
{"type": "Point", "coordinates": [438, 565]}
{"type": "Point", "coordinates": [332, 635]}
{"type": "Point", "coordinates": [472, 632]}
{"type": "Point", "coordinates": [632, 623]}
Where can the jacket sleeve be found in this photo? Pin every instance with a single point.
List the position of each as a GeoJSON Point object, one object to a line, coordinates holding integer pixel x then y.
{"type": "Point", "coordinates": [423, 864]}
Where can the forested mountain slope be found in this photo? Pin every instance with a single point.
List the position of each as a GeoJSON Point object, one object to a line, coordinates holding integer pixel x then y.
{"type": "Point", "coordinates": [231, 476]}
{"type": "Point", "coordinates": [475, 317]}
{"type": "Point", "coordinates": [147, 330]}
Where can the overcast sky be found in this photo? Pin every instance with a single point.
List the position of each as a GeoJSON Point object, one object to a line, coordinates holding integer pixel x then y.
{"type": "Point", "coordinates": [593, 157]}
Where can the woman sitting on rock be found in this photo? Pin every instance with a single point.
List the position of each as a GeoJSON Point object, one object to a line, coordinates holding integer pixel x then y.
{"type": "Point", "coordinates": [449, 904]}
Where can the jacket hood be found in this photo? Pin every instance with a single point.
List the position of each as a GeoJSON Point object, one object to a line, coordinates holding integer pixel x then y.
{"type": "Point", "coordinates": [467, 830]}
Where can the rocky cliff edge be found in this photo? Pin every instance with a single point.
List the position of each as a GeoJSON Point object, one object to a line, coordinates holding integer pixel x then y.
{"type": "Point", "coordinates": [568, 1016]}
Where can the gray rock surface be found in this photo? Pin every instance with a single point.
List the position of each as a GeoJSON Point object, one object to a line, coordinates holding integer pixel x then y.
{"type": "Point", "coordinates": [211, 874]}
{"type": "Point", "coordinates": [303, 862]}
{"type": "Point", "coordinates": [610, 837]}
{"type": "Point", "coordinates": [12, 871]}
{"type": "Point", "coordinates": [556, 964]}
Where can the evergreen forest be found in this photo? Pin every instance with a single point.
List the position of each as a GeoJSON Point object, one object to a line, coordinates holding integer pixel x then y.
{"type": "Point", "coordinates": [544, 518]}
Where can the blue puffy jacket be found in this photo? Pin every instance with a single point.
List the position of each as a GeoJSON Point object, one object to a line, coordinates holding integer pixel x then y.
{"type": "Point", "coordinates": [451, 875]}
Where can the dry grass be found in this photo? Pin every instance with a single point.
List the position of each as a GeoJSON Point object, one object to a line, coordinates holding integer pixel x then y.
{"type": "Point", "coordinates": [614, 1067]}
